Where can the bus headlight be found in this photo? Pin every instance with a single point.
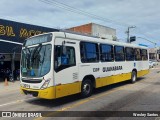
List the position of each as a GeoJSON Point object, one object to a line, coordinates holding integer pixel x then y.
{"type": "Point", "coordinates": [45, 85]}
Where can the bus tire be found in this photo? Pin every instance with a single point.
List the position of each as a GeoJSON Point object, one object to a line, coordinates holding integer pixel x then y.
{"type": "Point", "coordinates": [133, 77]}
{"type": "Point", "coordinates": [86, 88]}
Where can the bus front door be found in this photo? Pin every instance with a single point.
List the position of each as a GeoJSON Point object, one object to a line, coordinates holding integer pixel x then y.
{"type": "Point", "coordinates": [66, 68]}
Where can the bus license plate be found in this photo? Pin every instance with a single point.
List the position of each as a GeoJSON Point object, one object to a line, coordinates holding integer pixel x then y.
{"type": "Point", "coordinates": [26, 86]}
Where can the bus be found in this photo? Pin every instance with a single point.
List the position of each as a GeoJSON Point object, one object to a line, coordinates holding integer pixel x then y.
{"type": "Point", "coordinates": [58, 64]}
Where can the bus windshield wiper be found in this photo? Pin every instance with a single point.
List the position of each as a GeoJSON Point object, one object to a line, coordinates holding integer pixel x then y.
{"type": "Point", "coordinates": [36, 51]}
{"type": "Point", "coordinates": [27, 54]}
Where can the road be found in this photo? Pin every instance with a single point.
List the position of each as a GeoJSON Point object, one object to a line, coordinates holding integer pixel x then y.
{"type": "Point", "coordinates": [144, 95]}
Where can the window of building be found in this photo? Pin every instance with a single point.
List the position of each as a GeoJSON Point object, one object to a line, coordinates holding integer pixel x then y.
{"type": "Point", "coordinates": [144, 54]}
{"type": "Point", "coordinates": [138, 54]}
{"type": "Point", "coordinates": [89, 52]}
{"type": "Point", "coordinates": [129, 54]}
{"type": "Point", "coordinates": [106, 54]}
{"type": "Point", "coordinates": [119, 53]}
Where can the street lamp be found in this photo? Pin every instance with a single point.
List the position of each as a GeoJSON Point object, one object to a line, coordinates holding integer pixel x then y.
{"type": "Point", "coordinates": [128, 31]}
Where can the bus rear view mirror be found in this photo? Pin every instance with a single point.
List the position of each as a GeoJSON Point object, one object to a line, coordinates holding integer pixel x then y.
{"type": "Point", "coordinates": [63, 48]}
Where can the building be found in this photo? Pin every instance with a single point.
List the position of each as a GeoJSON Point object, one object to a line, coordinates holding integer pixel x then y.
{"type": "Point", "coordinates": [12, 36]}
{"type": "Point", "coordinates": [154, 53]}
{"type": "Point", "coordinates": [96, 30]}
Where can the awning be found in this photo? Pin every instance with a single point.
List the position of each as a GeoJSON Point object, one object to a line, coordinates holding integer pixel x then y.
{"type": "Point", "coordinates": [9, 48]}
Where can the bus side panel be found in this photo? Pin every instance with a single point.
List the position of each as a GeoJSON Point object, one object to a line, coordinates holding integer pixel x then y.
{"type": "Point", "coordinates": [122, 72]}
{"type": "Point", "coordinates": [125, 73]}
{"type": "Point", "coordinates": [100, 72]}
{"type": "Point", "coordinates": [122, 77]}
{"type": "Point", "coordinates": [105, 76]}
{"type": "Point", "coordinates": [142, 68]}
{"type": "Point", "coordinates": [67, 89]}
{"type": "Point", "coordinates": [104, 81]}
{"type": "Point", "coordinates": [142, 73]}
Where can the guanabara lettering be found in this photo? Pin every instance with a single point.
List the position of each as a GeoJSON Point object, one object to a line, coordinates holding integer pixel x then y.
{"type": "Point", "coordinates": [114, 68]}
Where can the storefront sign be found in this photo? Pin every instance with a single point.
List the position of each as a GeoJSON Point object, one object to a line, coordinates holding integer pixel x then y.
{"type": "Point", "coordinates": [17, 32]}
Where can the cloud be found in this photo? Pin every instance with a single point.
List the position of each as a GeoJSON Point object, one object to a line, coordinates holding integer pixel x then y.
{"type": "Point", "coordinates": [142, 13]}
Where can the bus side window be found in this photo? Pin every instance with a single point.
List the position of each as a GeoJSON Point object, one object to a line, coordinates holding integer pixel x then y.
{"type": "Point", "coordinates": [82, 51]}
{"type": "Point", "coordinates": [89, 52]}
{"type": "Point", "coordinates": [144, 54]}
{"type": "Point", "coordinates": [138, 54]}
{"type": "Point", "coordinates": [106, 53]}
{"type": "Point", "coordinates": [119, 53]}
{"type": "Point", "coordinates": [129, 54]}
{"type": "Point", "coordinates": [71, 56]}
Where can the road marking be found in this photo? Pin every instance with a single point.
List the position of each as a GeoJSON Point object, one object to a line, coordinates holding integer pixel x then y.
{"type": "Point", "coordinates": [11, 103]}
{"type": "Point", "coordinates": [62, 109]}
{"type": "Point", "coordinates": [8, 90]}
{"type": "Point", "coordinates": [74, 105]}
{"type": "Point", "coordinates": [87, 100]}
{"type": "Point", "coordinates": [81, 102]}
{"type": "Point", "coordinates": [14, 102]}
{"type": "Point", "coordinates": [155, 68]}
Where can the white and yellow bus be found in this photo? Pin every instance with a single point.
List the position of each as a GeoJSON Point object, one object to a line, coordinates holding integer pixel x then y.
{"type": "Point", "coordinates": [59, 64]}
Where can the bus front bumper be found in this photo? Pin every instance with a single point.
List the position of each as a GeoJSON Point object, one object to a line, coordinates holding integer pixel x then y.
{"type": "Point", "coordinates": [48, 93]}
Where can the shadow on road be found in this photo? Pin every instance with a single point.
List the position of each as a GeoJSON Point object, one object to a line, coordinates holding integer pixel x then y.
{"type": "Point", "coordinates": [77, 97]}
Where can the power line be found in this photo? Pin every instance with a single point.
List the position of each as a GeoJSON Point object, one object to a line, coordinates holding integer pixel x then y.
{"type": "Point", "coordinates": [148, 40]}
{"type": "Point", "coordinates": [81, 12]}
{"type": "Point", "coordinates": [139, 31]}
{"type": "Point", "coordinates": [75, 10]}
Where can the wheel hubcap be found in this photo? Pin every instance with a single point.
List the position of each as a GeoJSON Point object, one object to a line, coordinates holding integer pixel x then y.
{"type": "Point", "coordinates": [134, 77]}
{"type": "Point", "coordinates": [86, 88]}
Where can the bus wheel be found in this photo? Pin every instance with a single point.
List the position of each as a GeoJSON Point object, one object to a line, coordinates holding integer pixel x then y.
{"type": "Point", "coordinates": [133, 77]}
{"type": "Point", "coordinates": [86, 88]}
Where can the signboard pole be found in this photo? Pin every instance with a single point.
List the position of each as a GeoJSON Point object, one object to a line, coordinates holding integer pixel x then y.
{"type": "Point", "coordinates": [13, 64]}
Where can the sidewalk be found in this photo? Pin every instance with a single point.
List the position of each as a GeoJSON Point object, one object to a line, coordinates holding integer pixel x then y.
{"type": "Point", "coordinates": [11, 85]}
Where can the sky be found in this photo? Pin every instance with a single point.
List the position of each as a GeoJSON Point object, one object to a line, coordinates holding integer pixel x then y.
{"type": "Point", "coordinates": [117, 14]}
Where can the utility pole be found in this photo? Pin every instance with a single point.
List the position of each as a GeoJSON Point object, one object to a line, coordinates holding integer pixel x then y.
{"type": "Point", "coordinates": [128, 31]}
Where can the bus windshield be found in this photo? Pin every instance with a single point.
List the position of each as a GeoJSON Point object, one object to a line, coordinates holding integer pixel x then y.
{"type": "Point", "coordinates": [36, 61]}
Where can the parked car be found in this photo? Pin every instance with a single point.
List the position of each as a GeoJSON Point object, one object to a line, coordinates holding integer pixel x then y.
{"type": "Point", "coordinates": [151, 64]}
{"type": "Point", "coordinates": [155, 62]}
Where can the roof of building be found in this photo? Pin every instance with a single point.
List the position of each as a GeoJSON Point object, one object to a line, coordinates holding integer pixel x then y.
{"type": "Point", "coordinates": [90, 24]}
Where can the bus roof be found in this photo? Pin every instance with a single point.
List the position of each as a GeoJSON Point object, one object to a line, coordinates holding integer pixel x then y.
{"type": "Point", "coordinates": [78, 37]}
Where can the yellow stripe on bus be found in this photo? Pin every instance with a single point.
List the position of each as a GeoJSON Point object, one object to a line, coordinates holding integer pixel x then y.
{"type": "Point", "coordinates": [73, 88]}
{"type": "Point", "coordinates": [48, 93]}
{"type": "Point", "coordinates": [68, 89]}
{"type": "Point", "coordinates": [117, 78]}
{"type": "Point", "coordinates": [142, 73]}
